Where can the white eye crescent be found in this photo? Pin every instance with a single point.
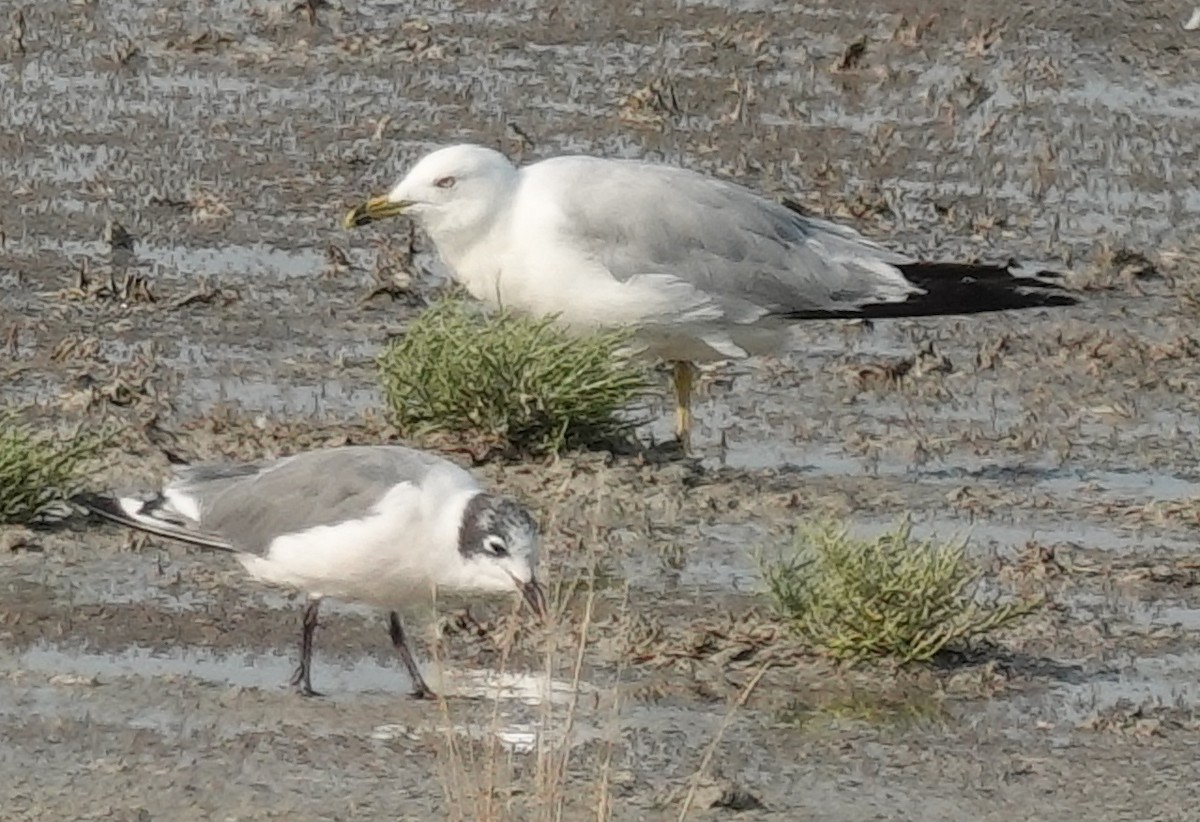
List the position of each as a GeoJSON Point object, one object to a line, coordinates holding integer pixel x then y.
{"type": "Point", "coordinates": [496, 546]}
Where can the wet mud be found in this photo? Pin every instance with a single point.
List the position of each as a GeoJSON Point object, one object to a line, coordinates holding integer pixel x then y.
{"type": "Point", "coordinates": [171, 262]}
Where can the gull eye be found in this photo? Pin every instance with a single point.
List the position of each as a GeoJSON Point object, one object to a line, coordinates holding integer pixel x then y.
{"type": "Point", "coordinates": [445, 182]}
{"type": "Point", "coordinates": [495, 546]}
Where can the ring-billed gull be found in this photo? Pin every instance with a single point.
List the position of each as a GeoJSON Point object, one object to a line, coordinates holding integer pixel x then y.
{"type": "Point", "coordinates": [704, 269]}
{"type": "Point", "coordinates": [383, 525]}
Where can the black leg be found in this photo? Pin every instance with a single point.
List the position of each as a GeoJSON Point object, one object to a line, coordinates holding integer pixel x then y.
{"type": "Point", "coordinates": [420, 689]}
{"type": "Point", "coordinates": [302, 678]}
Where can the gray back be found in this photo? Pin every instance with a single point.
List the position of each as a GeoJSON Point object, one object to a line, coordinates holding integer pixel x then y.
{"type": "Point", "coordinates": [749, 254]}
{"type": "Point", "coordinates": [252, 504]}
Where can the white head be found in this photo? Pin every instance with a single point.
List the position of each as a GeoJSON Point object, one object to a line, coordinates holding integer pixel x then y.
{"type": "Point", "coordinates": [449, 191]}
{"type": "Point", "coordinates": [497, 550]}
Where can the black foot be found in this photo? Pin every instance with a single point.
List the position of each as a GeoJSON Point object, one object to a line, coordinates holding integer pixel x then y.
{"type": "Point", "coordinates": [301, 680]}
{"type": "Point", "coordinates": [422, 692]}
{"type": "Point", "coordinates": [420, 689]}
{"type": "Point", "coordinates": [301, 684]}
{"type": "Point", "coordinates": [306, 690]}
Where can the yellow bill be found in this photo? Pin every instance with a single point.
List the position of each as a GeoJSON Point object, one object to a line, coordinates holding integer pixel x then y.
{"type": "Point", "coordinates": [374, 209]}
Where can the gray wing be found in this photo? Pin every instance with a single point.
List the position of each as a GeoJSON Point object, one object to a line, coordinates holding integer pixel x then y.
{"type": "Point", "coordinates": [253, 503]}
{"type": "Point", "coordinates": [751, 256]}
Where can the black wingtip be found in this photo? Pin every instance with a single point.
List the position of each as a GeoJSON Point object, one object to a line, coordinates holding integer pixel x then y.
{"type": "Point", "coordinates": [970, 288]}
{"type": "Point", "coordinates": [952, 289]}
{"type": "Point", "coordinates": [109, 508]}
{"type": "Point", "coordinates": [106, 507]}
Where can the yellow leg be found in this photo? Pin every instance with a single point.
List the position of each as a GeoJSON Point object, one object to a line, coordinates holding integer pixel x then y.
{"type": "Point", "coordinates": [684, 378]}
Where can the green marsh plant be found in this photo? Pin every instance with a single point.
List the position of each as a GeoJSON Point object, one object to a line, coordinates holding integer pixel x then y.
{"type": "Point", "coordinates": [889, 597]}
{"type": "Point", "coordinates": [38, 469]}
{"type": "Point", "coordinates": [524, 382]}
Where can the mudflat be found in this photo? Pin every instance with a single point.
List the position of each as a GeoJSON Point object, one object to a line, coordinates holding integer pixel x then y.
{"type": "Point", "coordinates": [172, 263]}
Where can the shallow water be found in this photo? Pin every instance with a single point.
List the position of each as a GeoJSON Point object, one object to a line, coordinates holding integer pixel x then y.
{"type": "Point", "coordinates": [232, 160]}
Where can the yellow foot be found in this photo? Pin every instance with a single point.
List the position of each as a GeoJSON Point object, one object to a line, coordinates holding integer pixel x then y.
{"type": "Point", "coordinates": [684, 377]}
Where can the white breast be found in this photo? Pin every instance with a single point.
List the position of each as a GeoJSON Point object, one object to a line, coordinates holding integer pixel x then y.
{"type": "Point", "coordinates": [389, 558]}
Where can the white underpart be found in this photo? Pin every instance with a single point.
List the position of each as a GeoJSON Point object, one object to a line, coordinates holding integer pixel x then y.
{"type": "Point", "coordinates": [395, 555]}
{"type": "Point", "coordinates": [524, 263]}
{"type": "Point", "coordinates": [541, 239]}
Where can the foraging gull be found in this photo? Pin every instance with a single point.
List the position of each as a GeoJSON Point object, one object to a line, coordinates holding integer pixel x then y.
{"type": "Point", "coordinates": [382, 525]}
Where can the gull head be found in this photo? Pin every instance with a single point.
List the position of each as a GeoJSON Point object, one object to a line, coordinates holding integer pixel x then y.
{"type": "Point", "coordinates": [449, 191]}
{"type": "Point", "coordinates": [498, 548]}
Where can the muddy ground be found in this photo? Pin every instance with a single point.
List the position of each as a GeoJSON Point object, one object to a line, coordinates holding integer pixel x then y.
{"type": "Point", "coordinates": [140, 681]}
